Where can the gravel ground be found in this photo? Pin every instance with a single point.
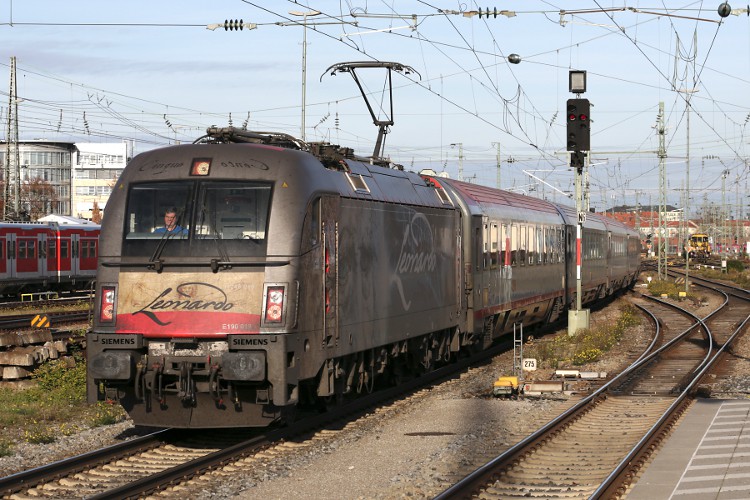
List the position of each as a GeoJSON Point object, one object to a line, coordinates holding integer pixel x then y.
{"type": "Point", "coordinates": [408, 450]}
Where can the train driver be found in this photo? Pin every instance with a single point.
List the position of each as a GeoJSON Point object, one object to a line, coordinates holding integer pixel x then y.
{"type": "Point", "coordinates": [170, 223]}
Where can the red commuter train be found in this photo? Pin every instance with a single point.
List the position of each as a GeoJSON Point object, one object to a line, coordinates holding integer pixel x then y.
{"type": "Point", "coordinates": [36, 256]}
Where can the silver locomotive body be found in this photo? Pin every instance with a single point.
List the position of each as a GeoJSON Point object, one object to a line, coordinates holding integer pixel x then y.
{"type": "Point", "coordinates": [289, 279]}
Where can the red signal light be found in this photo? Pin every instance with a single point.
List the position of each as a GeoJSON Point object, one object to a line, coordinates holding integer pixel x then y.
{"type": "Point", "coordinates": [583, 118]}
{"type": "Point", "coordinates": [571, 117]}
{"type": "Point", "coordinates": [107, 304]}
{"type": "Point", "coordinates": [274, 304]}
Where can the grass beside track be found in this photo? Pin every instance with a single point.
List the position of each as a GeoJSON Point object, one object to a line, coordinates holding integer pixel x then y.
{"type": "Point", "coordinates": [587, 346]}
{"type": "Point", "coordinates": [54, 406]}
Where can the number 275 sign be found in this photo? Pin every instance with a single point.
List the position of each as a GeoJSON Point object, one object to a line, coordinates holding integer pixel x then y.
{"type": "Point", "coordinates": [529, 364]}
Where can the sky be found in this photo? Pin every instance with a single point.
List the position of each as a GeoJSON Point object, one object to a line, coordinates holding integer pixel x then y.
{"type": "Point", "coordinates": [154, 74]}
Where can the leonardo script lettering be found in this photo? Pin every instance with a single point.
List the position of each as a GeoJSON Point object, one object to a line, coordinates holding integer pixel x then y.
{"type": "Point", "coordinates": [416, 256]}
{"type": "Point", "coordinates": [194, 296]}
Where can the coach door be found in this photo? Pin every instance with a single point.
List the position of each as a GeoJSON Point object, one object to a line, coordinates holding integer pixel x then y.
{"type": "Point", "coordinates": [41, 246]}
{"type": "Point", "coordinates": [3, 258]}
{"type": "Point", "coordinates": [64, 264]}
{"type": "Point", "coordinates": [87, 256]}
{"type": "Point", "coordinates": [27, 257]}
{"type": "Point", "coordinates": [610, 262]}
{"type": "Point", "coordinates": [75, 254]}
{"type": "Point", "coordinates": [10, 255]}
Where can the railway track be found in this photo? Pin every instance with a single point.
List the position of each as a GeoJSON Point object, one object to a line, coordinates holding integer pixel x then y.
{"type": "Point", "coordinates": [166, 460]}
{"type": "Point", "coordinates": [171, 468]}
{"type": "Point", "coordinates": [598, 446]}
{"type": "Point", "coordinates": [55, 318]}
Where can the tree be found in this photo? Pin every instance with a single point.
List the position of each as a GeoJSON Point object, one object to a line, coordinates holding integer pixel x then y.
{"type": "Point", "coordinates": [96, 213]}
{"type": "Point", "coordinates": [39, 195]}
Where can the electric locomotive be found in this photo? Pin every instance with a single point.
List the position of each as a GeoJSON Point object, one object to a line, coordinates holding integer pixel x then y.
{"type": "Point", "coordinates": [293, 276]}
{"type": "Point", "coordinates": [251, 272]}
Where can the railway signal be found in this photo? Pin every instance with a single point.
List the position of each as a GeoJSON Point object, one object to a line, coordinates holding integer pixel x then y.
{"type": "Point", "coordinates": [579, 130]}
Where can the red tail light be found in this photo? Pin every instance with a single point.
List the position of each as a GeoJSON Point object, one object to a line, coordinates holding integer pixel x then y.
{"type": "Point", "coordinates": [274, 304]}
{"type": "Point", "coordinates": [107, 305]}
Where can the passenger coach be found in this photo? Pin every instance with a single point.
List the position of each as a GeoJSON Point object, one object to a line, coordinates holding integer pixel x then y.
{"type": "Point", "coordinates": [38, 256]}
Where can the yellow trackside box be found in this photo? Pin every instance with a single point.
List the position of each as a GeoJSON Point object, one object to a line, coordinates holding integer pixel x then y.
{"type": "Point", "coordinates": [505, 386]}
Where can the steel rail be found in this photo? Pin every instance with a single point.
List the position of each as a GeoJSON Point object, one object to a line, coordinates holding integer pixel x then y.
{"type": "Point", "coordinates": [39, 475]}
{"type": "Point", "coordinates": [611, 484]}
{"type": "Point", "coordinates": [479, 478]}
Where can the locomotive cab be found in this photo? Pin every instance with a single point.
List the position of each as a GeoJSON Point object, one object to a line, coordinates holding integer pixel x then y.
{"type": "Point", "coordinates": [193, 295]}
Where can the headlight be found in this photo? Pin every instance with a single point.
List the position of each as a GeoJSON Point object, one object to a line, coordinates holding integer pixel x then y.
{"type": "Point", "coordinates": [111, 365]}
{"type": "Point", "coordinates": [246, 365]}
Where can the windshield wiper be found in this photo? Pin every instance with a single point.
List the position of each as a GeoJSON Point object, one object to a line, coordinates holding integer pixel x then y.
{"type": "Point", "coordinates": [215, 264]}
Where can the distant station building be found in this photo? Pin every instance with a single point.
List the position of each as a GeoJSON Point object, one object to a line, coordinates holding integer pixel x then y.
{"type": "Point", "coordinates": [81, 174]}
{"type": "Point", "coordinates": [96, 168]}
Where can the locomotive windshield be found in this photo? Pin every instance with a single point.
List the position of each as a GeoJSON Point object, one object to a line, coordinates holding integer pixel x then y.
{"type": "Point", "coordinates": [185, 213]}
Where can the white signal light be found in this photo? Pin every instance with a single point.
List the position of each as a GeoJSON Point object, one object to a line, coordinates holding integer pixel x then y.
{"type": "Point", "coordinates": [107, 304]}
{"type": "Point", "coordinates": [274, 304]}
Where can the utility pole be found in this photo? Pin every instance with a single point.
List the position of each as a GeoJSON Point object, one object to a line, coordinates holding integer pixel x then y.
{"type": "Point", "coordinates": [460, 159]}
{"type": "Point", "coordinates": [637, 214]}
{"type": "Point", "coordinates": [737, 212]}
{"type": "Point", "coordinates": [498, 164]}
{"type": "Point", "coordinates": [304, 15]}
{"type": "Point", "coordinates": [12, 167]}
{"type": "Point", "coordinates": [724, 176]}
{"type": "Point", "coordinates": [662, 154]}
{"type": "Point", "coordinates": [689, 94]}
{"type": "Point", "coordinates": [651, 222]}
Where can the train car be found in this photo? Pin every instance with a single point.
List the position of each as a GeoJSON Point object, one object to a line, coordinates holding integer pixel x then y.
{"type": "Point", "coordinates": [520, 259]}
{"type": "Point", "coordinates": [301, 274]}
{"type": "Point", "coordinates": [37, 256]}
{"type": "Point", "coordinates": [699, 246]}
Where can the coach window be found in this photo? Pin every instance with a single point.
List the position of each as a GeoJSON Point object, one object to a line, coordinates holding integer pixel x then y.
{"type": "Point", "coordinates": [540, 248]}
{"type": "Point", "coordinates": [52, 249]}
{"type": "Point", "coordinates": [148, 204]}
{"type": "Point", "coordinates": [504, 246]}
{"type": "Point", "coordinates": [486, 246]}
{"type": "Point", "coordinates": [64, 249]}
{"type": "Point", "coordinates": [514, 239]}
{"type": "Point", "coordinates": [233, 210]}
{"type": "Point", "coordinates": [523, 245]}
{"type": "Point", "coordinates": [552, 242]}
{"type": "Point", "coordinates": [527, 243]}
{"type": "Point", "coordinates": [478, 247]}
{"type": "Point", "coordinates": [494, 250]}
{"type": "Point", "coordinates": [88, 249]}
{"type": "Point", "coordinates": [26, 249]}
{"type": "Point", "coordinates": [311, 227]}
